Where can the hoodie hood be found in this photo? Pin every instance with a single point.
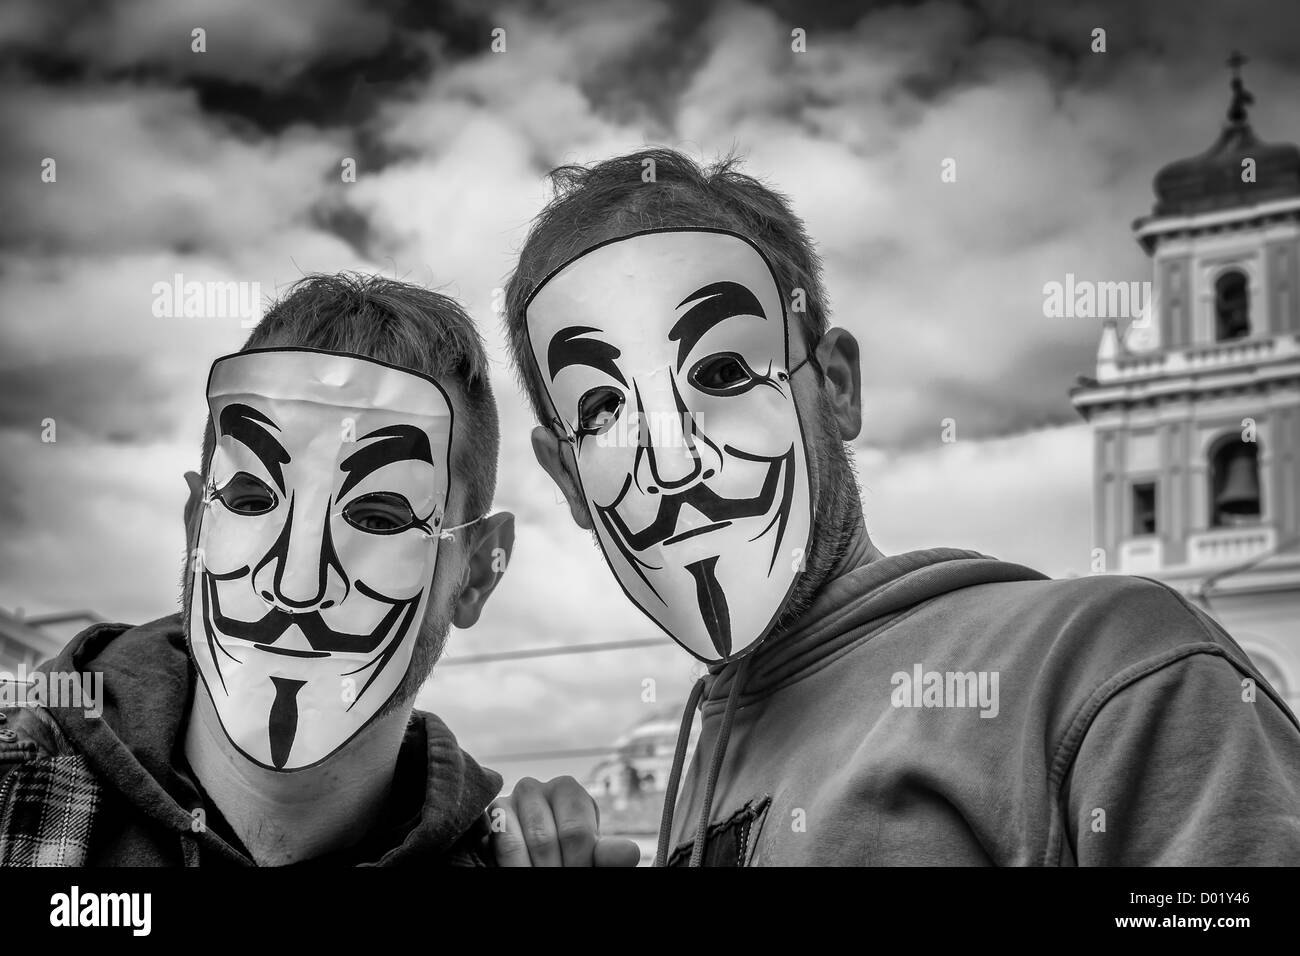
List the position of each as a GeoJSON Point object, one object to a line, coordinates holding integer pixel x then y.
{"type": "Point", "coordinates": [135, 746]}
{"type": "Point", "coordinates": [876, 591]}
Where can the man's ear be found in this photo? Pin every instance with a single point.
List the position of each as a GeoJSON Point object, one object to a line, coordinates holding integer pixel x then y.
{"type": "Point", "coordinates": [488, 558]}
{"type": "Point", "coordinates": [837, 354]}
{"type": "Point", "coordinates": [550, 452]}
{"type": "Point", "coordinates": [192, 504]}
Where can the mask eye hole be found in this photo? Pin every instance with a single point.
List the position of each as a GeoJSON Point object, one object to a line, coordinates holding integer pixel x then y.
{"type": "Point", "coordinates": [246, 494]}
{"type": "Point", "coordinates": [381, 512]}
{"type": "Point", "coordinates": [598, 409]}
{"type": "Point", "coordinates": [724, 373]}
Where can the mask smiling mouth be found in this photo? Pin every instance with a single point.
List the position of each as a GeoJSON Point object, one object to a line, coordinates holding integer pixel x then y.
{"type": "Point", "coordinates": [324, 640]}
{"type": "Point", "coordinates": [721, 511]}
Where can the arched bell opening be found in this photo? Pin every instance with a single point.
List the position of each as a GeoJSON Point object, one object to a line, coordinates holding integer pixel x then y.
{"type": "Point", "coordinates": [1231, 306]}
{"type": "Point", "coordinates": [1235, 495]}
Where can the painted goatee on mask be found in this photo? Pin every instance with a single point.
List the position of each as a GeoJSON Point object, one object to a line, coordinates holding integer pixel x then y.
{"type": "Point", "coordinates": [665, 357]}
{"type": "Point", "coordinates": [317, 545]}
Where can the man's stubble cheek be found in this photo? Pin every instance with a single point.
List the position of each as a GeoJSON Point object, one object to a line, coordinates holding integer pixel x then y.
{"type": "Point", "coordinates": [434, 630]}
{"type": "Point", "coordinates": [187, 564]}
{"type": "Point", "coordinates": [835, 505]}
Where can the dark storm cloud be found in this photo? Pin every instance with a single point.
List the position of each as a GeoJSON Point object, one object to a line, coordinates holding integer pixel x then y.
{"type": "Point", "coordinates": [107, 398]}
{"type": "Point", "coordinates": [879, 77]}
{"type": "Point", "coordinates": [350, 89]}
{"type": "Point", "coordinates": [322, 76]}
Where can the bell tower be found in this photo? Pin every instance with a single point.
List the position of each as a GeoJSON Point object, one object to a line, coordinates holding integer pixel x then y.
{"type": "Point", "coordinates": [1195, 405]}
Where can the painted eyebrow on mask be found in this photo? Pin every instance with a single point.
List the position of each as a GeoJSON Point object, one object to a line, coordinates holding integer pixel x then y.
{"type": "Point", "coordinates": [569, 348]}
{"type": "Point", "coordinates": [244, 424]}
{"type": "Point", "coordinates": [391, 443]}
{"type": "Point", "coordinates": [713, 304]}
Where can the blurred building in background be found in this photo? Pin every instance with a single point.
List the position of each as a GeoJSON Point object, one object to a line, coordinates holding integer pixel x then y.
{"type": "Point", "coordinates": [28, 641]}
{"type": "Point", "coordinates": [1196, 404]}
{"type": "Point", "coordinates": [629, 783]}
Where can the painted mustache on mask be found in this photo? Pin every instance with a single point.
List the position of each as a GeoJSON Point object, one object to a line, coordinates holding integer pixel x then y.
{"type": "Point", "coordinates": [719, 510]}
{"type": "Point", "coordinates": [323, 639]}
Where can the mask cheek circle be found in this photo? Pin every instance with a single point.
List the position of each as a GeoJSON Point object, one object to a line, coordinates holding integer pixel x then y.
{"type": "Point", "coordinates": [231, 541]}
{"type": "Point", "coordinates": [761, 421]}
{"type": "Point", "coordinates": [397, 565]}
{"type": "Point", "coordinates": [606, 460]}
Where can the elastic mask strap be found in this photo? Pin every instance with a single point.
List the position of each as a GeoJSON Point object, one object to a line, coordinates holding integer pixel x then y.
{"type": "Point", "coordinates": [561, 431]}
{"type": "Point", "coordinates": [808, 359]}
{"type": "Point", "coordinates": [449, 534]}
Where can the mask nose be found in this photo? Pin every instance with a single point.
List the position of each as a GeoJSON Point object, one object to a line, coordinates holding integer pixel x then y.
{"type": "Point", "coordinates": [301, 572]}
{"type": "Point", "coordinates": [669, 458]}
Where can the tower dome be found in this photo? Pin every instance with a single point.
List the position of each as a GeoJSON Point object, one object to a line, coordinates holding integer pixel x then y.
{"type": "Point", "coordinates": [1213, 180]}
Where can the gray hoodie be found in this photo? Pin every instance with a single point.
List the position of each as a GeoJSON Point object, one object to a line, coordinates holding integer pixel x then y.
{"type": "Point", "coordinates": [943, 707]}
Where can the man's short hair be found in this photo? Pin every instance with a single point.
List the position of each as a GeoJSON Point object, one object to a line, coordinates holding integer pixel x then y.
{"type": "Point", "coordinates": [613, 197]}
{"type": "Point", "coordinates": [402, 324]}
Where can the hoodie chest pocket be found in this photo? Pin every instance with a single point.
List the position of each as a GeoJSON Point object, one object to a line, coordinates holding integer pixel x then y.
{"type": "Point", "coordinates": [729, 842]}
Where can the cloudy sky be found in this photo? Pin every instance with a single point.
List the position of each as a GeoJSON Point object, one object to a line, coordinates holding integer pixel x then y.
{"type": "Point", "coordinates": [225, 165]}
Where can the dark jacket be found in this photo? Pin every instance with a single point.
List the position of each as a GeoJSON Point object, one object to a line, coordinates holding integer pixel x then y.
{"type": "Point", "coordinates": [115, 790]}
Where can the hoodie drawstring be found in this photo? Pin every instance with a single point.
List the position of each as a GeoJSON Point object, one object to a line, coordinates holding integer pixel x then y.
{"type": "Point", "coordinates": [715, 767]}
{"type": "Point", "coordinates": [675, 776]}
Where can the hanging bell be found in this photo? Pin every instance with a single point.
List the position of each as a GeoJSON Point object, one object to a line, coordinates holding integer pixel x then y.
{"type": "Point", "coordinates": [1239, 496]}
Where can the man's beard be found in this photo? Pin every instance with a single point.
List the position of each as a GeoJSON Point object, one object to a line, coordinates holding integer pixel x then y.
{"type": "Point", "coordinates": [836, 515]}
{"type": "Point", "coordinates": [429, 645]}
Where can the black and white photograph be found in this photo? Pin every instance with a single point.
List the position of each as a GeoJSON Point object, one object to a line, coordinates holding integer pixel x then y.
{"type": "Point", "coordinates": [650, 434]}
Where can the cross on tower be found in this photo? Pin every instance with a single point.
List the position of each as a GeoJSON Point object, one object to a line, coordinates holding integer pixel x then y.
{"type": "Point", "coordinates": [1241, 97]}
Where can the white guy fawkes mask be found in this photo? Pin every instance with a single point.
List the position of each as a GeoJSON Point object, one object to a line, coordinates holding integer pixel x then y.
{"type": "Point", "coordinates": [317, 544]}
{"type": "Point", "coordinates": [665, 357]}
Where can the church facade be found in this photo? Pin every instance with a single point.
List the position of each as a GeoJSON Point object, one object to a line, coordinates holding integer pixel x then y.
{"type": "Point", "coordinates": [1195, 404]}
